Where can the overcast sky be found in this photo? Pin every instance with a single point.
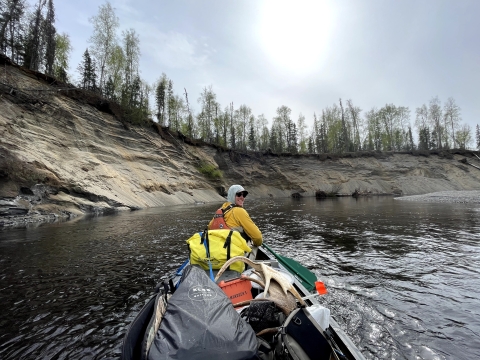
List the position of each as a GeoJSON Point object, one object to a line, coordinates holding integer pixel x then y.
{"type": "Point", "coordinates": [302, 54]}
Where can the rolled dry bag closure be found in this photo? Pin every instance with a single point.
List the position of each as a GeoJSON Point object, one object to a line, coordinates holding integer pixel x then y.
{"type": "Point", "coordinates": [222, 245]}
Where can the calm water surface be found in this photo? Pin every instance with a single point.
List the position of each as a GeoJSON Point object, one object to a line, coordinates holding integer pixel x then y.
{"type": "Point", "coordinates": [403, 277]}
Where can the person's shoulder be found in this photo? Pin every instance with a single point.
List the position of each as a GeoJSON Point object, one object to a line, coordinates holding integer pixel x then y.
{"type": "Point", "coordinates": [239, 210]}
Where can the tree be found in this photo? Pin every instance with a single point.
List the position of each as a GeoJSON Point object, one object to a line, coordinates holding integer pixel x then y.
{"type": "Point", "coordinates": [292, 138]}
{"type": "Point", "coordinates": [375, 130]}
{"type": "Point", "coordinates": [433, 140]}
{"type": "Point", "coordinates": [344, 140]}
{"type": "Point", "coordinates": [354, 112]}
{"type": "Point", "coordinates": [178, 113]}
{"type": "Point", "coordinates": [274, 141]}
{"type": "Point", "coordinates": [34, 47]}
{"type": "Point", "coordinates": [115, 71]}
{"type": "Point", "coordinates": [224, 126]}
{"type": "Point", "coordinates": [88, 76]}
{"type": "Point", "coordinates": [394, 120]}
{"type": "Point", "coordinates": [242, 115]}
{"type": "Point", "coordinates": [170, 102]}
{"type": "Point", "coordinates": [410, 144]}
{"type": "Point", "coordinates": [424, 139]}
{"type": "Point", "coordinates": [50, 38]}
{"type": "Point", "coordinates": [62, 54]}
{"type": "Point", "coordinates": [302, 134]}
{"type": "Point", "coordinates": [132, 86]}
{"type": "Point", "coordinates": [208, 102]}
{"type": "Point", "coordinates": [233, 139]}
{"type": "Point", "coordinates": [252, 141]}
{"type": "Point", "coordinates": [477, 135]}
{"type": "Point", "coordinates": [12, 28]}
{"type": "Point", "coordinates": [422, 124]}
{"type": "Point", "coordinates": [464, 136]}
{"type": "Point", "coordinates": [282, 123]}
{"type": "Point", "coordinates": [189, 126]}
{"type": "Point", "coordinates": [160, 98]}
{"type": "Point", "coordinates": [452, 118]}
{"type": "Point", "coordinates": [131, 51]}
{"type": "Point", "coordinates": [435, 120]}
{"type": "Point", "coordinates": [103, 39]}
{"type": "Point", "coordinates": [264, 132]}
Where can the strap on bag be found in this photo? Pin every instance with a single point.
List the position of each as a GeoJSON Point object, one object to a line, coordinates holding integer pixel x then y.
{"type": "Point", "coordinates": [204, 241]}
{"type": "Point", "coordinates": [227, 245]}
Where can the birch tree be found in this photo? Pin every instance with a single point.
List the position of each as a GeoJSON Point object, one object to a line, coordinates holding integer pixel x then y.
{"type": "Point", "coordinates": [302, 134]}
{"type": "Point", "coordinates": [422, 125]}
{"type": "Point", "coordinates": [104, 38]}
{"type": "Point", "coordinates": [464, 136]}
{"type": "Point", "coordinates": [243, 114]}
{"type": "Point", "coordinates": [115, 71]}
{"type": "Point", "coordinates": [452, 118]}
{"type": "Point", "coordinates": [161, 98]}
{"type": "Point", "coordinates": [62, 55]}
{"type": "Point", "coordinates": [435, 116]}
{"type": "Point", "coordinates": [208, 102]}
{"type": "Point", "coordinates": [354, 112]}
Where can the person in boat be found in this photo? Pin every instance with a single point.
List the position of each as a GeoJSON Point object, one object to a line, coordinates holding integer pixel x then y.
{"type": "Point", "coordinates": [236, 217]}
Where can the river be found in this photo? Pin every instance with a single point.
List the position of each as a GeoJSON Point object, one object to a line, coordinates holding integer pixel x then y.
{"type": "Point", "coordinates": [403, 277]}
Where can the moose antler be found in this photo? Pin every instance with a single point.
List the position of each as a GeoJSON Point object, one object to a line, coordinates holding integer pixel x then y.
{"type": "Point", "coordinates": [268, 273]}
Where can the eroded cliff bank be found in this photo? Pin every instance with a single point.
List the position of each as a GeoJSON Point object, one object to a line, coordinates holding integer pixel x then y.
{"type": "Point", "coordinates": [64, 154]}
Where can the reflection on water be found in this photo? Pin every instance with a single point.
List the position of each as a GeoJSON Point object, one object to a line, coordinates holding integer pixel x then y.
{"type": "Point", "coordinates": [403, 277]}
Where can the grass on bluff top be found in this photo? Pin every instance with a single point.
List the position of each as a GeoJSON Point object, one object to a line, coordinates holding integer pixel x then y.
{"type": "Point", "coordinates": [210, 171]}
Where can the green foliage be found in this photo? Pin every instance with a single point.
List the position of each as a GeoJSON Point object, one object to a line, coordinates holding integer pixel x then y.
{"type": "Point", "coordinates": [88, 76]}
{"type": "Point", "coordinates": [210, 171]}
{"type": "Point", "coordinates": [62, 53]}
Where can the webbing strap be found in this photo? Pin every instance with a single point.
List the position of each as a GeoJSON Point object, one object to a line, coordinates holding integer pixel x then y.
{"type": "Point", "coordinates": [228, 208]}
{"type": "Point", "coordinates": [207, 250]}
{"type": "Point", "coordinates": [227, 245]}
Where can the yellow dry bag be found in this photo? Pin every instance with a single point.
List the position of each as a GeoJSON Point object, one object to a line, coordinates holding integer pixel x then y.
{"type": "Point", "coordinates": [216, 247]}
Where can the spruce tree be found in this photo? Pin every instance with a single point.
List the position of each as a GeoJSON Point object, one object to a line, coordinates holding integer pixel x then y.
{"type": "Point", "coordinates": [88, 76]}
{"type": "Point", "coordinates": [49, 34]}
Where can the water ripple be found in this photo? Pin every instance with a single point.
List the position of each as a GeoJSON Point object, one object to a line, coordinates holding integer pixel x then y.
{"type": "Point", "coordinates": [402, 277]}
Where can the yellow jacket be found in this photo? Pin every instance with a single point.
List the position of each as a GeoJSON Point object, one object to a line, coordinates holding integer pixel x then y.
{"type": "Point", "coordinates": [237, 218]}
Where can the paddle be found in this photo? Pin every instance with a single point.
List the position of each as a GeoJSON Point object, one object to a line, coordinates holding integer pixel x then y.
{"type": "Point", "coordinates": [305, 276]}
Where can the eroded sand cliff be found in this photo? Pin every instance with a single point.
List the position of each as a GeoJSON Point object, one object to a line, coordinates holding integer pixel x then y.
{"type": "Point", "coordinates": [62, 155]}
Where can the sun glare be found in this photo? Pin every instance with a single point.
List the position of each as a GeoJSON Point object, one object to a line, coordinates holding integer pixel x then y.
{"type": "Point", "coordinates": [295, 34]}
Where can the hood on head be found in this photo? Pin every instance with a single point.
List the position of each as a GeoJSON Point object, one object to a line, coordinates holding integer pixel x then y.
{"type": "Point", "coordinates": [232, 191]}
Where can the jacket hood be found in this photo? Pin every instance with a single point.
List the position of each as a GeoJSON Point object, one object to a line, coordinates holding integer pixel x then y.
{"type": "Point", "coordinates": [232, 191]}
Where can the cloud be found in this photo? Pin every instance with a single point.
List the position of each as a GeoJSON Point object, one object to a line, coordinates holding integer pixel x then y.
{"type": "Point", "coordinates": [176, 50]}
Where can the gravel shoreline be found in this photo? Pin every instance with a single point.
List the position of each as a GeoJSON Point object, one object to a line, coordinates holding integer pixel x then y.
{"type": "Point", "coordinates": [470, 197]}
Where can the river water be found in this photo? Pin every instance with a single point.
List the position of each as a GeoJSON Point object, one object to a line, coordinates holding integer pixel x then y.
{"type": "Point", "coordinates": [403, 277]}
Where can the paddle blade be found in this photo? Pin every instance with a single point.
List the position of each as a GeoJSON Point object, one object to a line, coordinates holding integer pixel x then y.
{"type": "Point", "coordinates": [305, 276]}
{"type": "Point", "coordinates": [321, 289]}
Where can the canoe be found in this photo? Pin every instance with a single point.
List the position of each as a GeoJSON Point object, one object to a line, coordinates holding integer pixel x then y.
{"type": "Point", "coordinates": [202, 320]}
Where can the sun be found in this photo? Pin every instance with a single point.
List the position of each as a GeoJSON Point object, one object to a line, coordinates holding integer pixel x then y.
{"type": "Point", "coordinates": [295, 34]}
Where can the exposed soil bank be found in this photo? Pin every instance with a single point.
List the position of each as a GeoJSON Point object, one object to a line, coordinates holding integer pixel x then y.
{"type": "Point", "coordinates": [64, 155]}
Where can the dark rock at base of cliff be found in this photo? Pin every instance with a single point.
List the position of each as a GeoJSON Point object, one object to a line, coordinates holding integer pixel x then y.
{"type": "Point", "coordinates": [12, 211]}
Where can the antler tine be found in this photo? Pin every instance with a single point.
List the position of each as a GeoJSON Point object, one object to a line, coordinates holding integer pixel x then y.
{"type": "Point", "coordinates": [231, 261]}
